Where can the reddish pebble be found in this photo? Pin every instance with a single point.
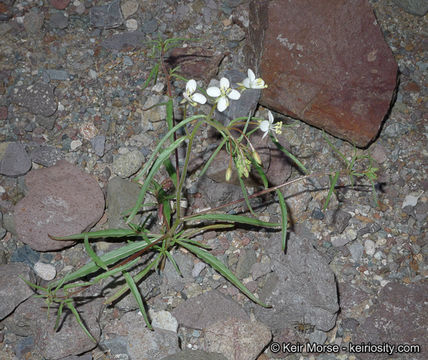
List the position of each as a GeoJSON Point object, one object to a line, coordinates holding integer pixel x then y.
{"type": "Point", "coordinates": [60, 4]}
{"type": "Point", "coordinates": [3, 112]}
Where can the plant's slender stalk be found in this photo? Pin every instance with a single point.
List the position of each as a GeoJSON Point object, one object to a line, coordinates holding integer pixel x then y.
{"type": "Point", "coordinates": [184, 173]}
{"type": "Point", "coordinates": [263, 192]}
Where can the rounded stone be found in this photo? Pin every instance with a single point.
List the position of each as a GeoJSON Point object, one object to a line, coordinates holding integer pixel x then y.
{"type": "Point", "coordinates": [127, 164]}
{"type": "Point", "coordinates": [61, 200]}
{"type": "Point", "coordinates": [45, 271]}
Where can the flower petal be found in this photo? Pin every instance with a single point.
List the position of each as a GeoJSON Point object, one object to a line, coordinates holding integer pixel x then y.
{"type": "Point", "coordinates": [191, 86]}
{"type": "Point", "coordinates": [224, 84]}
{"type": "Point", "coordinates": [213, 91]}
{"type": "Point", "coordinates": [199, 98]}
{"type": "Point", "coordinates": [222, 104]}
{"type": "Point", "coordinates": [246, 83]}
{"type": "Point", "coordinates": [264, 126]}
{"type": "Point", "coordinates": [270, 117]}
{"type": "Point", "coordinates": [251, 75]}
{"type": "Point", "coordinates": [234, 95]}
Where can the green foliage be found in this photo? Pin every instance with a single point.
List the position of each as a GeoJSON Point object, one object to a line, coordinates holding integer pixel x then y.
{"type": "Point", "coordinates": [179, 229]}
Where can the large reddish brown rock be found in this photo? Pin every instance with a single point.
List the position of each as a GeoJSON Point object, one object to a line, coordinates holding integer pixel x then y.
{"type": "Point", "coordinates": [326, 62]}
{"type": "Point", "coordinates": [62, 200]}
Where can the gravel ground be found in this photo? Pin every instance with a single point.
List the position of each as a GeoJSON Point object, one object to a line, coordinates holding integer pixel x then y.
{"type": "Point", "coordinates": [99, 118]}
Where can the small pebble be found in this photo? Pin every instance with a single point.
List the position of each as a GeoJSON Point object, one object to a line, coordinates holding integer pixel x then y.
{"type": "Point", "coordinates": [45, 271]}
{"type": "Point", "coordinates": [75, 144]}
{"type": "Point", "coordinates": [198, 268]}
{"type": "Point", "coordinates": [369, 247]}
{"type": "Point", "coordinates": [131, 24]}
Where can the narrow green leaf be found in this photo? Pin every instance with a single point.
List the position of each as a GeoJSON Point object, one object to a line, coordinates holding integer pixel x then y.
{"type": "Point", "coordinates": [194, 242]}
{"type": "Point", "coordinates": [161, 158]}
{"type": "Point", "coordinates": [284, 219]}
{"type": "Point", "coordinates": [245, 193]}
{"type": "Point", "coordinates": [290, 155]}
{"type": "Point", "coordinates": [33, 286]}
{"type": "Point", "coordinates": [211, 158]}
{"type": "Point", "coordinates": [125, 288]}
{"type": "Point", "coordinates": [136, 293]}
{"type": "Point", "coordinates": [108, 258]}
{"type": "Point", "coordinates": [110, 233]}
{"type": "Point", "coordinates": [153, 74]}
{"type": "Point", "coordinates": [159, 146]}
{"type": "Point", "coordinates": [192, 232]}
{"type": "Point", "coordinates": [333, 181]}
{"type": "Point", "coordinates": [231, 218]}
{"type": "Point", "coordinates": [79, 321]}
{"type": "Point", "coordinates": [173, 262]}
{"type": "Point", "coordinates": [58, 315]}
{"type": "Point", "coordinates": [261, 173]}
{"type": "Point", "coordinates": [95, 258]}
{"type": "Point", "coordinates": [217, 265]}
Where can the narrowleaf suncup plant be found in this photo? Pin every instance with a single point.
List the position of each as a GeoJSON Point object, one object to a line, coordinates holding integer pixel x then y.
{"type": "Point", "coordinates": [177, 228]}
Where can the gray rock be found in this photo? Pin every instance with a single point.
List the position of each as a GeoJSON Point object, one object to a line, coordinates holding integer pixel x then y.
{"type": "Point", "coordinates": [341, 220]}
{"type": "Point", "coordinates": [185, 265]}
{"type": "Point", "coordinates": [106, 16]}
{"type": "Point", "coordinates": [247, 259]}
{"type": "Point", "coordinates": [121, 195]}
{"type": "Point", "coordinates": [356, 250]}
{"type": "Point", "coordinates": [201, 311]}
{"type": "Point", "coordinates": [26, 255]}
{"type": "Point", "coordinates": [24, 346]}
{"type": "Point", "coordinates": [33, 21]}
{"type": "Point", "coordinates": [342, 239]}
{"type": "Point", "coordinates": [226, 336]}
{"type": "Point", "coordinates": [415, 7]}
{"type": "Point", "coordinates": [37, 98]}
{"type": "Point", "coordinates": [195, 355]}
{"type": "Point", "coordinates": [140, 342]}
{"type": "Point", "coordinates": [60, 75]}
{"type": "Point", "coordinates": [302, 285]}
{"type": "Point", "coordinates": [62, 200]}
{"type": "Point", "coordinates": [14, 160]}
{"type": "Point", "coordinates": [134, 39]}
{"type": "Point", "coordinates": [398, 317]}
{"type": "Point", "coordinates": [70, 339]}
{"type": "Point", "coordinates": [128, 164]}
{"type": "Point", "coordinates": [13, 290]}
{"type": "Point", "coordinates": [149, 26]}
{"type": "Point", "coordinates": [48, 122]}
{"type": "Point", "coordinates": [98, 143]}
{"type": "Point", "coordinates": [58, 20]}
{"type": "Point", "coordinates": [46, 155]}
{"type": "Point", "coordinates": [260, 269]}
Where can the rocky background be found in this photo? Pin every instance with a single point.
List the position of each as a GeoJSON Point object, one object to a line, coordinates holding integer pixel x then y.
{"type": "Point", "coordinates": [73, 132]}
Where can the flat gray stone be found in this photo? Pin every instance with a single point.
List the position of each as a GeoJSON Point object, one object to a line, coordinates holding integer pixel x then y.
{"type": "Point", "coordinates": [195, 355]}
{"type": "Point", "coordinates": [138, 341]}
{"type": "Point", "coordinates": [14, 160]}
{"type": "Point", "coordinates": [62, 200]}
{"type": "Point", "coordinates": [121, 195]}
{"type": "Point", "coordinates": [246, 339]}
{"type": "Point", "coordinates": [399, 316]}
{"type": "Point", "coordinates": [38, 98]}
{"type": "Point", "coordinates": [301, 287]}
{"type": "Point", "coordinates": [415, 7]}
{"type": "Point", "coordinates": [46, 155]}
{"type": "Point", "coordinates": [13, 290]}
{"type": "Point", "coordinates": [133, 39]}
{"type": "Point", "coordinates": [60, 75]}
{"type": "Point", "coordinates": [106, 16]}
{"type": "Point", "coordinates": [125, 165]}
{"type": "Point", "coordinates": [201, 311]}
{"type": "Point", "coordinates": [70, 339]}
{"type": "Point", "coordinates": [58, 20]}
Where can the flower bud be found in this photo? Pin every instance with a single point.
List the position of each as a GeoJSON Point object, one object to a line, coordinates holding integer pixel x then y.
{"type": "Point", "coordinates": [256, 157]}
{"type": "Point", "coordinates": [228, 174]}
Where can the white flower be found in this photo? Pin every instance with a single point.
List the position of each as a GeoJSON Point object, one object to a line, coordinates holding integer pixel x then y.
{"type": "Point", "coordinates": [190, 96]}
{"type": "Point", "coordinates": [223, 94]}
{"type": "Point", "coordinates": [252, 83]}
{"type": "Point", "coordinates": [267, 125]}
